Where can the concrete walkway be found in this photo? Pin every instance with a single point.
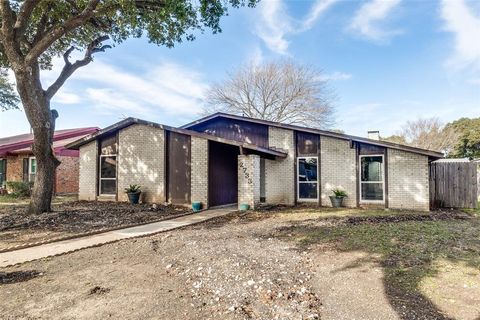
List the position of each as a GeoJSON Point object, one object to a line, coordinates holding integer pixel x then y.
{"type": "Point", "coordinates": [56, 248]}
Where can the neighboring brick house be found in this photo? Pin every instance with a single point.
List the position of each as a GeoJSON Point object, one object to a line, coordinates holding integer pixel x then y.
{"type": "Point", "coordinates": [224, 159]}
{"type": "Point", "coordinates": [17, 162]}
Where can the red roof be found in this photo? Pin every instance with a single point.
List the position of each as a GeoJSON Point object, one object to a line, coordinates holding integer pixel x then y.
{"type": "Point", "coordinates": [23, 142]}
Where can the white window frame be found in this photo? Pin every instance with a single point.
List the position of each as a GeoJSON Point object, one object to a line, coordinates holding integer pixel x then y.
{"type": "Point", "coordinates": [360, 178]}
{"type": "Point", "coordinates": [299, 182]}
{"type": "Point", "coordinates": [100, 175]}
{"type": "Point", "coordinates": [30, 168]}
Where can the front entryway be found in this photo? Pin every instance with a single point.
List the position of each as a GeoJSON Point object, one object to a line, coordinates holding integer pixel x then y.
{"type": "Point", "coordinates": [222, 174]}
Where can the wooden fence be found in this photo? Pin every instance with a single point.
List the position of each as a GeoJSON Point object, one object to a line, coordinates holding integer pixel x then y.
{"type": "Point", "coordinates": [453, 185]}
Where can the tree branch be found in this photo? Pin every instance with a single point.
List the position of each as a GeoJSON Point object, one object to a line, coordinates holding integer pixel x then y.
{"type": "Point", "coordinates": [56, 33]}
{"type": "Point", "coordinates": [22, 19]}
{"type": "Point", "coordinates": [69, 68]}
{"type": "Point", "coordinates": [7, 35]}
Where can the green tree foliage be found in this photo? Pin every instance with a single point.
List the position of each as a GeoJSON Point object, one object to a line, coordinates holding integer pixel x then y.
{"type": "Point", "coordinates": [468, 143]}
{"type": "Point", "coordinates": [33, 32]}
{"type": "Point", "coordinates": [8, 97]}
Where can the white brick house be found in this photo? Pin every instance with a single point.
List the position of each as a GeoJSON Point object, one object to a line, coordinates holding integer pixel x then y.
{"type": "Point", "coordinates": [224, 159]}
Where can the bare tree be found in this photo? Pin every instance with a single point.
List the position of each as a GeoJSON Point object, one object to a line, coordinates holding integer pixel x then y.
{"type": "Point", "coordinates": [278, 91]}
{"type": "Point", "coordinates": [428, 134]}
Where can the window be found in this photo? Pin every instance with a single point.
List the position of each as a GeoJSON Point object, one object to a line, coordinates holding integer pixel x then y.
{"type": "Point", "coordinates": [372, 178]}
{"type": "Point", "coordinates": [32, 169]}
{"type": "Point", "coordinates": [307, 179]}
{"type": "Point", "coordinates": [108, 166]}
{"type": "Point", "coordinates": [3, 171]}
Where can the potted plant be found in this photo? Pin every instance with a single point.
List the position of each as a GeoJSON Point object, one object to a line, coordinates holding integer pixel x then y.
{"type": "Point", "coordinates": [337, 198]}
{"type": "Point", "coordinates": [196, 206]}
{"type": "Point", "coordinates": [133, 191]}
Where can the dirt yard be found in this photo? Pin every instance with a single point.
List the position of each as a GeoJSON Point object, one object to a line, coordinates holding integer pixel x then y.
{"type": "Point", "coordinates": [286, 264]}
{"type": "Point", "coordinates": [70, 218]}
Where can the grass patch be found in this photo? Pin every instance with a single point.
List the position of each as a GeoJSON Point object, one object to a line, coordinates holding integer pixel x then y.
{"type": "Point", "coordinates": [11, 199]}
{"type": "Point", "coordinates": [474, 212]}
{"type": "Point", "coordinates": [407, 249]}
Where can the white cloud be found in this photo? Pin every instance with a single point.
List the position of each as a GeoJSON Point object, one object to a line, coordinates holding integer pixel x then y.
{"type": "Point", "coordinates": [317, 10]}
{"type": "Point", "coordinates": [274, 24]}
{"type": "Point", "coordinates": [366, 20]}
{"type": "Point", "coordinates": [65, 97]}
{"type": "Point", "coordinates": [167, 88]}
{"type": "Point", "coordinates": [462, 22]}
{"type": "Point", "coordinates": [336, 76]}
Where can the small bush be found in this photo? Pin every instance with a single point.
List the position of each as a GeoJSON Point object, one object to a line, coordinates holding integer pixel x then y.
{"type": "Point", "coordinates": [339, 193]}
{"type": "Point", "coordinates": [133, 188]}
{"type": "Point", "coordinates": [19, 188]}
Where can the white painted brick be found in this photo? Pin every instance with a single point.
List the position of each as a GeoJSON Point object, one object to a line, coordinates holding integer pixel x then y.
{"type": "Point", "coordinates": [141, 154]}
{"type": "Point", "coordinates": [88, 172]}
{"type": "Point", "coordinates": [249, 180]}
{"type": "Point", "coordinates": [408, 186]}
{"type": "Point", "coordinates": [338, 170]}
{"type": "Point", "coordinates": [280, 174]}
{"type": "Point", "coordinates": [199, 182]}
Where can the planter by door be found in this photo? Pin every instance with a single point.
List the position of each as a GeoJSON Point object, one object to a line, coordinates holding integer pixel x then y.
{"type": "Point", "coordinates": [336, 201]}
{"type": "Point", "coordinates": [134, 197]}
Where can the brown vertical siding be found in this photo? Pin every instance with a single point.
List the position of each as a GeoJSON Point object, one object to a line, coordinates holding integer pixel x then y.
{"type": "Point", "coordinates": [307, 144]}
{"type": "Point", "coordinates": [179, 167]}
{"type": "Point", "coordinates": [366, 149]}
{"type": "Point", "coordinates": [237, 130]}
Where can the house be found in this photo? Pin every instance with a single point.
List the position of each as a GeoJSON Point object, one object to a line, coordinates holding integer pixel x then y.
{"type": "Point", "coordinates": [223, 159]}
{"type": "Point", "coordinates": [17, 162]}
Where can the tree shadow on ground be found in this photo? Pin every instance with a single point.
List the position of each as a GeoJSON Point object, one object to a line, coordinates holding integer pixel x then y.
{"type": "Point", "coordinates": [405, 247]}
{"type": "Point", "coordinates": [18, 276]}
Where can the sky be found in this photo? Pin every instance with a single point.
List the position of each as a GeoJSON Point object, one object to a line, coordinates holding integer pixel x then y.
{"type": "Point", "coordinates": [388, 61]}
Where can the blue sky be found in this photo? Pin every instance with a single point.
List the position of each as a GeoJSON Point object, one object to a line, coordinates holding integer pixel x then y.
{"type": "Point", "coordinates": [388, 62]}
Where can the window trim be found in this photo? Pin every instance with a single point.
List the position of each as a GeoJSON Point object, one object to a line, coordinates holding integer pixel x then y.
{"type": "Point", "coordinates": [4, 173]}
{"type": "Point", "coordinates": [30, 169]}
{"type": "Point", "coordinates": [100, 175]}
{"type": "Point", "coordinates": [299, 182]}
{"type": "Point", "coordinates": [360, 179]}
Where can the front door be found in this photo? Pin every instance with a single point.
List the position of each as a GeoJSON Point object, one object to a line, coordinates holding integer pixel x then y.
{"type": "Point", "coordinates": [222, 174]}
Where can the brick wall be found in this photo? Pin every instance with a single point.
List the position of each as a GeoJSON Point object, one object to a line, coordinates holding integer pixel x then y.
{"type": "Point", "coordinates": [338, 170]}
{"type": "Point", "coordinates": [15, 168]}
{"type": "Point", "coordinates": [67, 175]}
{"type": "Point", "coordinates": [249, 180]}
{"type": "Point", "coordinates": [88, 172]}
{"type": "Point", "coordinates": [407, 180]}
{"type": "Point", "coordinates": [141, 158]}
{"type": "Point", "coordinates": [279, 174]}
{"type": "Point", "coordinates": [199, 175]}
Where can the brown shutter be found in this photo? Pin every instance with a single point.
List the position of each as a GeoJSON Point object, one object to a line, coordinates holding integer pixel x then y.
{"type": "Point", "coordinates": [25, 169]}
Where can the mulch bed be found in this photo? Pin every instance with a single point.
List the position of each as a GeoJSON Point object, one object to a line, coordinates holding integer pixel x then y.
{"type": "Point", "coordinates": [17, 227]}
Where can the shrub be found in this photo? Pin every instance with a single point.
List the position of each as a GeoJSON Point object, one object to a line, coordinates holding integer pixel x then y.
{"type": "Point", "coordinates": [19, 188]}
{"type": "Point", "coordinates": [133, 188]}
{"type": "Point", "coordinates": [339, 193]}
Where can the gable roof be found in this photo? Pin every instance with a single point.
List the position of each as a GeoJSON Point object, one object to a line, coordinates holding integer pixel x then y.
{"type": "Point", "coordinates": [23, 143]}
{"type": "Point", "coordinates": [387, 144]}
{"type": "Point", "coordinates": [130, 121]}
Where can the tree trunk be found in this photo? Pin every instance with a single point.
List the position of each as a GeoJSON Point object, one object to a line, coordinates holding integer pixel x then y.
{"type": "Point", "coordinates": [37, 109]}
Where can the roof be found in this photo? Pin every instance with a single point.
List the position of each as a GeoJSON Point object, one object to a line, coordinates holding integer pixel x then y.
{"type": "Point", "coordinates": [22, 143]}
{"type": "Point", "coordinates": [392, 145]}
{"type": "Point", "coordinates": [130, 121]}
